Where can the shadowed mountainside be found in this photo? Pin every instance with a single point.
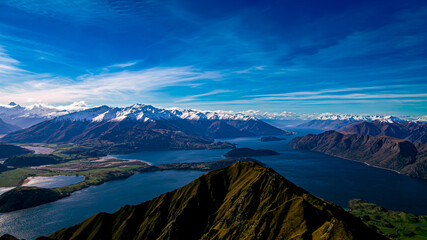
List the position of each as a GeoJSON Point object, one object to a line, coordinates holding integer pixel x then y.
{"type": "Point", "coordinates": [132, 136]}
{"type": "Point", "coordinates": [411, 131]}
{"type": "Point", "coordinates": [26, 197]}
{"type": "Point", "coordinates": [385, 152]}
{"type": "Point", "coordinates": [7, 150]}
{"type": "Point", "coordinates": [7, 128]}
{"type": "Point", "coordinates": [336, 125]}
{"type": "Point", "coordinates": [242, 201]}
{"type": "Point", "coordinates": [28, 160]}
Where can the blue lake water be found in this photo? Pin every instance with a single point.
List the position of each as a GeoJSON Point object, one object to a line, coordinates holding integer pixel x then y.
{"type": "Point", "coordinates": [108, 197]}
{"type": "Point", "coordinates": [334, 179]}
{"type": "Point", "coordinates": [53, 182]}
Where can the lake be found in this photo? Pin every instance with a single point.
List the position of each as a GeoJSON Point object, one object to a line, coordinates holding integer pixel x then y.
{"type": "Point", "coordinates": [108, 197]}
{"type": "Point", "coordinates": [52, 182]}
{"type": "Point", "coordinates": [334, 179]}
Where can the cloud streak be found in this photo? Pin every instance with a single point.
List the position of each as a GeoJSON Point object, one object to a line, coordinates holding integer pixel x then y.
{"type": "Point", "coordinates": [198, 96]}
{"type": "Point", "coordinates": [8, 65]}
{"type": "Point", "coordinates": [116, 86]}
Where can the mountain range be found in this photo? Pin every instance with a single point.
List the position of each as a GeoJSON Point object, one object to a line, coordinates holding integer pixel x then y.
{"type": "Point", "coordinates": [303, 117]}
{"type": "Point", "coordinates": [411, 131]}
{"type": "Point", "coordinates": [142, 127]}
{"type": "Point", "coordinates": [27, 116]}
{"type": "Point", "coordinates": [326, 125]}
{"type": "Point", "coordinates": [381, 151]}
{"type": "Point", "coordinates": [242, 201]}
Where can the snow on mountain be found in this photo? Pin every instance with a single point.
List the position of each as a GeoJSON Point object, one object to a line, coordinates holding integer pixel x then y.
{"type": "Point", "coordinates": [355, 117]}
{"type": "Point", "coordinates": [29, 115]}
{"type": "Point", "coordinates": [332, 116]}
{"type": "Point", "coordinates": [141, 112]}
{"type": "Point", "coordinates": [190, 114]}
{"type": "Point", "coordinates": [421, 118]}
{"type": "Point", "coordinates": [80, 111]}
{"type": "Point", "coordinates": [277, 116]}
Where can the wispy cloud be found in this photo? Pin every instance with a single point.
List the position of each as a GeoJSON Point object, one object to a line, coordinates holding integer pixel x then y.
{"type": "Point", "coordinates": [117, 86]}
{"type": "Point", "coordinates": [122, 65]}
{"type": "Point", "coordinates": [198, 96]}
{"type": "Point", "coordinates": [307, 93]}
{"type": "Point", "coordinates": [8, 65]}
{"type": "Point", "coordinates": [347, 96]}
{"type": "Point", "coordinates": [276, 55]}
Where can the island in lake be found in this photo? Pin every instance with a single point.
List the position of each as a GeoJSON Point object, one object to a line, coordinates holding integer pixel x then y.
{"type": "Point", "coordinates": [271, 139]}
{"type": "Point", "coordinates": [248, 152]}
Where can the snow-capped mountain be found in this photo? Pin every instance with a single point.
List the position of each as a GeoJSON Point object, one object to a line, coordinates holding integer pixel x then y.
{"type": "Point", "coordinates": [131, 125]}
{"type": "Point", "coordinates": [27, 116]}
{"type": "Point", "coordinates": [355, 117]}
{"type": "Point", "coordinates": [277, 115]}
{"type": "Point", "coordinates": [139, 112]}
{"type": "Point", "coordinates": [190, 114]}
{"type": "Point", "coordinates": [332, 116]}
{"type": "Point", "coordinates": [422, 118]}
{"type": "Point", "coordinates": [145, 113]}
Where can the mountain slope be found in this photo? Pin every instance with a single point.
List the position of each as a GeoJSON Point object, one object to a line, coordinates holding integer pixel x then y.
{"type": "Point", "coordinates": [329, 124]}
{"type": "Point", "coordinates": [411, 131]}
{"type": "Point", "coordinates": [394, 224]}
{"type": "Point", "coordinates": [242, 201]}
{"type": "Point", "coordinates": [7, 128]}
{"type": "Point", "coordinates": [385, 152]}
{"type": "Point", "coordinates": [7, 150]}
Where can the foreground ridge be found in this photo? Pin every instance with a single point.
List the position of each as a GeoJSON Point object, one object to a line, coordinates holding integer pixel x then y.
{"type": "Point", "coordinates": [242, 201]}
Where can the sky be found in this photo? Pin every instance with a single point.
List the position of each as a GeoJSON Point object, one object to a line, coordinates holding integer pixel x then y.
{"type": "Point", "coordinates": [362, 57]}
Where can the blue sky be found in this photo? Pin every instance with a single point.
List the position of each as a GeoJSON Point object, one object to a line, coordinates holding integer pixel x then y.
{"type": "Point", "coordinates": [301, 56]}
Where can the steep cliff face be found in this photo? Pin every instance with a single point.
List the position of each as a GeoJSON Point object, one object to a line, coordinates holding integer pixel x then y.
{"type": "Point", "coordinates": [386, 152]}
{"type": "Point", "coordinates": [242, 201]}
